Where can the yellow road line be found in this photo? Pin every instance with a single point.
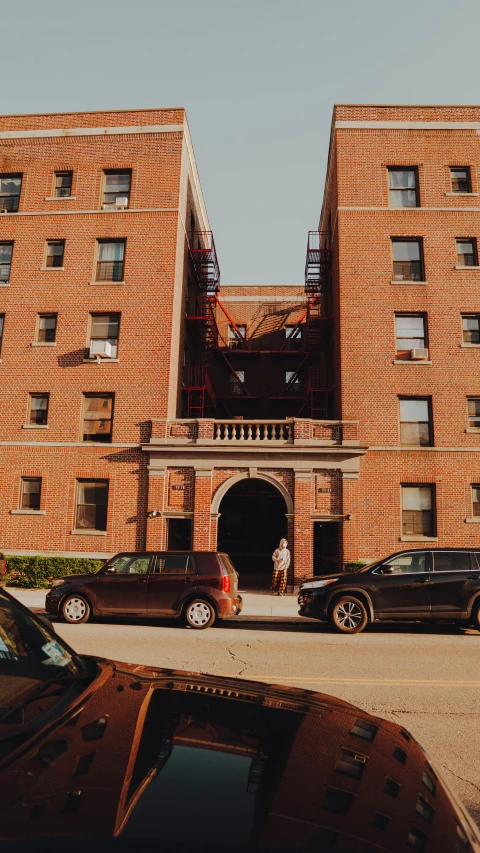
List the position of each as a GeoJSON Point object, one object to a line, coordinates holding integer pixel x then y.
{"type": "Point", "coordinates": [361, 681]}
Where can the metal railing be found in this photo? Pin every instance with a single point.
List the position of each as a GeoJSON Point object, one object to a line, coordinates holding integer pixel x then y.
{"type": "Point", "coordinates": [407, 271]}
{"type": "Point", "coordinates": [4, 272]}
{"type": "Point", "coordinates": [9, 203]}
{"type": "Point", "coordinates": [110, 270]}
{"type": "Point", "coordinates": [281, 431]}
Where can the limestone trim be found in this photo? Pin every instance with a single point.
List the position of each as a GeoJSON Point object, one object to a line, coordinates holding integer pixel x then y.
{"type": "Point", "coordinates": [371, 124]}
{"type": "Point", "coordinates": [65, 132]}
{"type": "Point", "coordinates": [244, 475]}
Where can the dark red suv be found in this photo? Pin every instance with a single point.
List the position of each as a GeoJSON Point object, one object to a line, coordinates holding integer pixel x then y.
{"type": "Point", "coordinates": [198, 586]}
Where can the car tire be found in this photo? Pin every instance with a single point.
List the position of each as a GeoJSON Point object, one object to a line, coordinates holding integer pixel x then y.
{"type": "Point", "coordinates": [75, 609]}
{"type": "Point", "coordinates": [199, 614]}
{"type": "Point", "coordinates": [348, 615]}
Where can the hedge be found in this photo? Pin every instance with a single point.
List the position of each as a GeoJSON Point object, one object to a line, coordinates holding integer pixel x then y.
{"type": "Point", "coordinates": [354, 565]}
{"type": "Point", "coordinates": [38, 572]}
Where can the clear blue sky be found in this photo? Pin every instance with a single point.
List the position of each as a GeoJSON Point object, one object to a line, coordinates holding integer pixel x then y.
{"type": "Point", "coordinates": [258, 79]}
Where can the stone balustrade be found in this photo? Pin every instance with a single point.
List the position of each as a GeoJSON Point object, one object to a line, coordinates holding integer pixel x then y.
{"type": "Point", "coordinates": [292, 431]}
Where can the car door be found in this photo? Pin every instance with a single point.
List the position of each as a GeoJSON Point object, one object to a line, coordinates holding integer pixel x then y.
{"type": "Point", "coordinates": [401, 586]}
{"type": "Point", "coordinates": [453, 573]}
{"type": "Point", "coordinates": [121, 586]}
{"type": "Point", "coordinates": [172, 575]}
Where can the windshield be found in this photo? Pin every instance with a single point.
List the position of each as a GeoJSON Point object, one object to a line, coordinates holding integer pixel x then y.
{"type": "Point", "coordinates": [33, 663]}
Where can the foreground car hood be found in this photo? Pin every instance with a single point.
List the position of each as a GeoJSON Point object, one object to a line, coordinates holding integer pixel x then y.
{"type": "Point", "coordinates": [160, 759]}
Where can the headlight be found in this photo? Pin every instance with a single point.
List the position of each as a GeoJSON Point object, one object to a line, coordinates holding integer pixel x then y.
{"type": "Point", "coordinates": [57, 583]}
{"type": "Point", "coordinates": [318, 584]}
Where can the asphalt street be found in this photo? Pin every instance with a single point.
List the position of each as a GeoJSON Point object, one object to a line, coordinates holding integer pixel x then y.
{"type": "Point", "coordinates": [426, 678]}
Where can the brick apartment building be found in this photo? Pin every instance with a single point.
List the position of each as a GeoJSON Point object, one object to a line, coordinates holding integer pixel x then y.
{"type": "Point", "coordinates": [146, 407]}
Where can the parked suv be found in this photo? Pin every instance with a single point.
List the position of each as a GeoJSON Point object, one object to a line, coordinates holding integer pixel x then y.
{"type": "Point", "coordinates": [197, 586]}
{"type": "Point", "coordinates": [438, 583]}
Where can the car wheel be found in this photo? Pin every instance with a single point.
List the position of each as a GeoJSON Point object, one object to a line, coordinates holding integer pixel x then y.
{"type": "Point", "coordinates": [348, 614]}
{"type": "Point", "coordinates": [199, 614]}
{"type": "Point", "coordinates": [75, 609]}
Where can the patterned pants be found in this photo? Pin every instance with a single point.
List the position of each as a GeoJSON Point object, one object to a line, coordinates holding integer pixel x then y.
{"type": "Point", "coordinates": [279, 581]}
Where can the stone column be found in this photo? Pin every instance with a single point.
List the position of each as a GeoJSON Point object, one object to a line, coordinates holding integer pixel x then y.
{"type": "Point", "coordinates": [156, 537]}
{"type": "Point", "coordinates": [302, 530]}
{"type": "Point", "coordinates": [201, 509]}
{"type": "Point", "coordinates": [353, 546]}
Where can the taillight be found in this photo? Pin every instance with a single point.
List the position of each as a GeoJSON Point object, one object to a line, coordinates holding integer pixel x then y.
{"type": "Point", "coordinates": [226, 583]}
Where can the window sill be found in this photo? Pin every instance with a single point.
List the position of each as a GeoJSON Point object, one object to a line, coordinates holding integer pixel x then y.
{"type": "Point", "coordinates": [109, 283]}
{"type": "Point", "coordinates": [408, 281]}
{"type": "Point", "coordinates": [52, 269]}
{"type": "Point", "coordinates": [4, 284]}
{"type": "Point", "coordinates": [60, 198]}
{"type": "Point", "coordinates": [418, 539]}
{"type": "Point", "coordinates": [473, 430]}
{"type": "Point", "coordinates": [35, 426]}
{"type": "Point", "coordinates": [411, 361]}
{"type": "Point", "coordinates": [43, 344]}
{"type": "Point", "coordinates": [462, 194]}
{"type": "Point", "coordinates": [88, 532]}
{"type": "Point", "coordinates": [470, 346]}
{"type": "Point", "coordinates": [475, 520]}
{"type": "Point", "coordinates": [464, 267]}
{"type": "Point", "coordinates": [27, 512]}
{"type": "Point", "coordinates": [102, 360]}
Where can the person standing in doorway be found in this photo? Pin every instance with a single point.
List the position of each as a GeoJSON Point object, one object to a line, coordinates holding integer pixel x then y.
{"type": "Point", "coordinates": [281, 562]}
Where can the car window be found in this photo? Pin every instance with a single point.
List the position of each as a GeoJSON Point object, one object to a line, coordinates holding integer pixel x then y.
{"type": "Point", "coordinates": [226, 563]}
{"type": "Point", "coordinates": [451, 561]}
{"type": "Point", "coordinates": [174, 564]}
{"type": "Point", "coordinates": [131, 564]}
{"type": "Point", "coordinates": [404, 564]}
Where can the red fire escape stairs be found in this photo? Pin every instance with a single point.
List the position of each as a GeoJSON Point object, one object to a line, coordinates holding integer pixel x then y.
{"type": "Point", "coordinates": [203, 257]}
{"type": "Point", "coordinates": [199, 390]}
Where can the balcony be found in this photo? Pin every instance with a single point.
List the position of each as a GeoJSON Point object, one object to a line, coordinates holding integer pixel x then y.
{"type": "Point", "coordinates": [204, 260]}
{"type": "Point", "coordinates": [299, 432]}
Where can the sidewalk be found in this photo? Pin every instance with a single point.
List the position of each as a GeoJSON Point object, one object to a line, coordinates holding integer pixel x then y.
{"type": "Point", "coordinates": [254, 603]}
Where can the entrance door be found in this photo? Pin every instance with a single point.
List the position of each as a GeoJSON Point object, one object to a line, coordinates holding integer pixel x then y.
{"type": "Point", "coordinates": [326, 547]}
{"type": "Point", "coordinates": [179, 534]}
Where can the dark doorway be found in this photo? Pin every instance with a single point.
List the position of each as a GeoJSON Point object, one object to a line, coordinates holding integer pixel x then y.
{"type": "Point", "coordinates": [326, 547]}
{"type": "Point", "coordinates": [252, 522]}
{"type": "Point", "coordinates": [179, 534]}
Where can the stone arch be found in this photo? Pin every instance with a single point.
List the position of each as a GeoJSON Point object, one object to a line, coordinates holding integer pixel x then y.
{"type": "Point", "coordinates": [244, 475]}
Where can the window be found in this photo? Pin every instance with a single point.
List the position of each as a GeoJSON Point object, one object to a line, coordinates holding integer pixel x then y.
{"type": "Point", "coordinates": [391, 787]}
{"type": "Point", "coordinates": [104, 334]}
{"type": "Point", "coordinates": [471, 328]}
{"type": "Point", "coordinates": [403, 187]}
{"type": "Point", "coordinates": [91, 509]}
{"type": "Point", "coordinates": [473, 404]}
{"type": "Point", "coordinates": [415, 421]}
{"type": "Point", "coordinates": [130, 564]}
{"type": "Point", "coordinates": [237, 336]}
{"type": "Point", "coordinates": [237, 382]}
{"type": "Point", "coordinates": [110, 260]}
{"type": "Point", "coordinates": [451, 561]}
{"type": "Point", "coordinates": [417, 839]}
{"type": "Point", "coordinates": [293, 382]}
{"type": "Point", "coordinates": [400, 755]}
{"type": "Point", "coordinates": [55, 252]}
{"type": "Point", "coordinates": [467, 252]}
{"type": "Point", "coordinates": [405, 564]}
{"type": "Point", "coordinates": [38, 409]}
{"type": "Point", "coordinates": [337, 801]}
{"type": "Point", "coordinates": [460, 179]}
{"type": "Point", "coordinates": [174, 564]}
{"type": "Point", "coordinates": [63, 184]}
{"type": "Point", "coordinates": [97, 417]}
{"type": "Point", "coordinates": [410, 334]}
{"type": "Point", "coordinates": [407, 260]}
{"type": "Point", "coordinates": [5, 261]}
{"type": "Point", "coordinates": [10, 186]}
{"type": "Point", "coordinates": [116, 188]}
{"type": "Point", "coordinates": [475, 499]}
{"type": "Point", "coordinates": [364, 729]}
{"type": "Point", "coordinates": [381, 821]}
{"type": "Point", "coordinates": [293, 337]}
{"type": "Point", "coordinates": [424, 808]}
{"type": "Point", "coordinates": [30, 491]}
{"type": "Point", "coordinates": [2, 323]}
{"type": "Point", "coordinates": [429, 783]}
{"type": "Point", "coordinates": [46, 328]}
{"type": "Point", "coordinates": [351, 764]}
{"type": "Point", "coordinates": [418, 518]}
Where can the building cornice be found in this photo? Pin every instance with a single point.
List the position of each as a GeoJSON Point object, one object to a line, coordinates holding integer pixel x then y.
{"type": "Point", "coordinates": [125, 130]}
{"type": "Point", "coordinates": [372, 124]}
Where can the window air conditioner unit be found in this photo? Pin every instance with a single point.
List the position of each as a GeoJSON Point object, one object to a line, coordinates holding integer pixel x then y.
{"type": "Point", "coordinates": [100, 349]}
{"type": "Point", "coordinates": [121, 203]}
{"type": "Point", "coordinates": [419, 354]}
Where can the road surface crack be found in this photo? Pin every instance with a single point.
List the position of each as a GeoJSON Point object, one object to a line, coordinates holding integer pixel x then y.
{"type": "Point", "coordinates": [460, 778]}
{"type": "Point", "coordinates": [238, 660]}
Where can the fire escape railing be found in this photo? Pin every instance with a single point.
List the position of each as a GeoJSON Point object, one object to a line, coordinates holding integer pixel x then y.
{"type": "Point", "coordinates": [317, 264]}
{"type": "Point", "coordinates": [204, 261]}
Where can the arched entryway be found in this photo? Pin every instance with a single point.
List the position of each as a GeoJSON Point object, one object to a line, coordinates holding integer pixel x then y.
{"type": "Point", "coordinates": [252, 521]}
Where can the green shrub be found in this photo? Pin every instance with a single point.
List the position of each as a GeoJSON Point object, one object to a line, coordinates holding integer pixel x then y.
{"type": "Point", "coordinates": [38, 572]}
{"type": "Point", "coordinates": [354, 565]}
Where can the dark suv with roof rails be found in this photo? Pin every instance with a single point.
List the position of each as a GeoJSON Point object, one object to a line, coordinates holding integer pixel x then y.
{"type": "Point", "coordinates": [417, 585]}
{"type": "Point", "coordinates": [198, 586]}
